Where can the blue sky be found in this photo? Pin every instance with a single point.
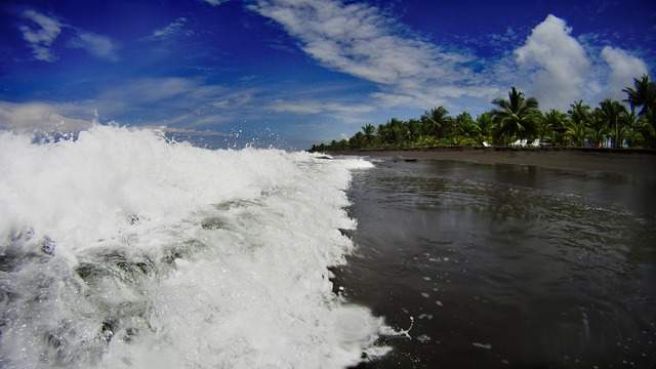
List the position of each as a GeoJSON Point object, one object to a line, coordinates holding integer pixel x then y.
{"type": "Point", "coordinates": [294, 72]}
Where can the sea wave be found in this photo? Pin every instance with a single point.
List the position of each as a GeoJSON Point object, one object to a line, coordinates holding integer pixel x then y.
{"type": "Point", "coordinates": [120, 249]}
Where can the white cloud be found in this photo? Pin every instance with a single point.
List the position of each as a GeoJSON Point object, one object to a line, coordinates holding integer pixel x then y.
{"type": "Point", "coordinates": [557, 61]}
{"type": "Point", "coordinates": [409, 71]}
{"type": "Point", "coordinates": [624, 67]}
{"type": "Point", "coordinates": [234, 99]}
{"type": "Point", "coordinates": [170, 30]}
{"type": "Point", "coordinates": [215, 2]}
{"type": "Point", "coordinates": [45, 30]}
{"type": "Point", "coordinates": [38, 116]}
{"type": "Point", "coordinates": [174, 101]}
{"type": "Point", "coordinates": [357, 39]}
{"type": "Point", "coordinates": [99, 46]}
{"type": "Point", "coordinates": [318, 106]}
{"type": "Point", "coordinates": [44, 117]}
{"type": "Point", "coordinates": [360, 40]}
{"type": "Point", "coordinates": [145, 91]}
{"type": "Point", "coordinates": [178, 102]}
{"type": "Point", "coordinates": [41, 34]}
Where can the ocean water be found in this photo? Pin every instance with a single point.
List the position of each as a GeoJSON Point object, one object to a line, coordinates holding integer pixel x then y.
{"type": "Point", "coordinates": [122, 250]}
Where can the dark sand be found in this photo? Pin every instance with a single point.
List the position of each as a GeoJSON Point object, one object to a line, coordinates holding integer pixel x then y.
{"type": "Point", "coordinates": [507, 266]}
{"type": "Point", "coordinates": [629, 163]}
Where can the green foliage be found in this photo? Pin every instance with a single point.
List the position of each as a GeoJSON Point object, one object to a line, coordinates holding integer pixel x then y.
{"type": "Point", "coordinates": [598, 130]}
{"type": "Point", "coordinates": [578, 125]}
{"type": "Point", "coordinates": [485, 123]}
{"type": "Point", "coordinates": [515, 118]}
{"type": "Point", "coordinates": [465, 129]}
{"type": "Point", "coordinates": [610, 113]}
{"type": "Point", "coordinates": [518, 118]}
{"type": "Point", "coordinates": [435, 122]}
{"type": "Point", "coordinates": [369, 133]}
{"type": "Point", "coordinates": [643, 95]}
{"type": "Point", "coordinates": [554, 125]}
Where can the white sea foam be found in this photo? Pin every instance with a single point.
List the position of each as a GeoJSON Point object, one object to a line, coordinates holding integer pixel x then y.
{"type": "Point", "coordinates": [172, 256]}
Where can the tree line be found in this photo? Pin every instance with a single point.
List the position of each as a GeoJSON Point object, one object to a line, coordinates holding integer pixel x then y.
{"type": "Point", "coordinates": [518, 119]}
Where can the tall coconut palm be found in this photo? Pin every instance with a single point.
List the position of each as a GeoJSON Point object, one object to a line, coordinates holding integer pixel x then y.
{"type": "Point", "coordinates": [635, 129]}
{"type": "Point", "coordinates": [436, 121]}
{"type": "Point", "coordinates": [357, 141]}
{"type": "Point", "coordinates": [463, 126]}
{"type": "Point", "coordinates": [385, 134]}
{"type": "Point", "coordinates": [610, 112]}
{"type": "Point", "coordinates": [643, 94]}
{"type": "Point", "coordinates": [414, 129]}
{"type": "Point", "coordinates": [554, 124]}
{"type": "Point", "coordinates": [485, 123]}
{"type": "Point", "coordinates": [648, 128]}
{"type": "Point", "coordinates": [369, 132]}
{"type": "Point", "coordinates": [515, 117]}
{"type": "Point", "coordinates": [598, 130]}
{"type": "Point", "coordinates": [580, 118]}
{"type": "Point", "coordinates": [579, 112]}
{"type": "Point", "coordinates": [576, 132]}
{"type": "Point", "coordinates": [398, 130]}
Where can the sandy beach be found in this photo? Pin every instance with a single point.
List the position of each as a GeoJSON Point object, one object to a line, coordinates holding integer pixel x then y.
{"type": "Point", "coordinates": [628, 163]}
{"type": "Point", "coordinates": [505, 265]}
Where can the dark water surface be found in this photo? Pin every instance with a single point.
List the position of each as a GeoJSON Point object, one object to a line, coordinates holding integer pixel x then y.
{"type": "Point", "coordinates": [506, 265]}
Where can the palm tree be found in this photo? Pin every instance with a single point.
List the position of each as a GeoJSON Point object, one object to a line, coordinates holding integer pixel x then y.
{"type": "Point", "coordinates": [647, 127]}
{"type": "Point", "coordinates": [598, 128]}
{"type": "Point", "coordinates": [397, 132]}
{"type": "Point", "coordinates": [577, 127]}
{"type": "Point", "coordinates": [579, 112]}
{"type": "Point", "coordinates": [463, 126]}
{"type": "Point", "coordinates": [414, 129]}
{"type": "Point", "coordinates": [385, 134]}
{"type": "Point", "coordinates": [436, 121]}
{"type": "Point", "coordinates": [636, 130]}
{"type": "Point", "coordinates": [485, 124]}
{"type": "Point", "coordinates": [369, 132]}
{"type": "Point", "coordinates": [554, 123]}
{"type": "Point", "coordinates": [357, 141]}
{"type": "Point", "coordinates": [515, 117]}
{"type": "Point", "coordinates": [643, 94]}
{"type": "Point", "coordinates": [576, 132]}
{"type": "Point", "coordinates": [611, 111]}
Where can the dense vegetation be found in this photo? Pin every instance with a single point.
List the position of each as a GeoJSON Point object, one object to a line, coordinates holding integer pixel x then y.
{"type": "Point", "coordinates": [611, 124]}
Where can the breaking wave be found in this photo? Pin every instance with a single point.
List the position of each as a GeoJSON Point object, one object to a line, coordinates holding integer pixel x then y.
{"type": "Point", "coordinates": [122, 250]}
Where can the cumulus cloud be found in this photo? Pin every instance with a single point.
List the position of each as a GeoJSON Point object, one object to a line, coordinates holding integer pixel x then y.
{"type": "Point", "coordinates": [624, 67]}
{"type": "Point", "coordinates": [97, 45]}
{"type": "Point", "coordinates": [557, 61]}
{"type": "Point", "coordinates": [41, 34]}
{"type": "Point", "coordinates": [37, 116]}
{"type": "Point", "coordinates": [409, 71]}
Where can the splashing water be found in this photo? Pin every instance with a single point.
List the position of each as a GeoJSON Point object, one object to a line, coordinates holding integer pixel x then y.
{"type": "Point", "coordinates": [121, 250]}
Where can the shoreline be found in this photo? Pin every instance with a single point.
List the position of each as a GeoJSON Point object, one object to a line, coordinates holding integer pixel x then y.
{"type": "Point", "coordinates": [627, 162]}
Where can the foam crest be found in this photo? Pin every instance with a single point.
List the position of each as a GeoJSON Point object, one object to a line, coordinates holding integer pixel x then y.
{"type": "Point", "coordinates": [120, 249]}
